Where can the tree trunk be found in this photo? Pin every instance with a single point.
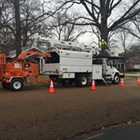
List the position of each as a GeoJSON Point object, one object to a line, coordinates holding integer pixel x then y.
{"type": "Point", "coordinates": [104, 32]}
{"type": "Point", "coordinates": [25, 38]}
{"type": "Point", "coordinates": [103, 27]}
{"type": "Point", "coordinates": [18, 27]}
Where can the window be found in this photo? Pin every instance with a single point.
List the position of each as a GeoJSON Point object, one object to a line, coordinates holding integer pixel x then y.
{"type": "Point", "coordinates": [109, 63]}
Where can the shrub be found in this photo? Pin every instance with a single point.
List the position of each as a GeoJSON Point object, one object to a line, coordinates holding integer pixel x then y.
{"type": "Point", "coordinates": [133, 70]}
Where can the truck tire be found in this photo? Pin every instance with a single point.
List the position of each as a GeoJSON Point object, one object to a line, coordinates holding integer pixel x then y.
{"type": "Point", "coordinates": [16, 84]}
{"type": "Point", "coordinates": [81, 80]}
{"type": "Point", "coordinates": [5, 85]}
{"type": "Point", "coordinates": [116, 79]}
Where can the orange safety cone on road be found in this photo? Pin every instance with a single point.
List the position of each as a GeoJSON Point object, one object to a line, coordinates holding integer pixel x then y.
{"type": "Point", "coordinates": [122, 83]}
{"type": "Point", "coordinates": [51, 89]}
{"type": "Point", "coordinates": [138, 81]}
{"type": "Point", "coordinates": [93, 87]}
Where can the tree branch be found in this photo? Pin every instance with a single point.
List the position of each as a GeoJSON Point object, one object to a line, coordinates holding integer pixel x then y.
{"type": "Point", "coordinates": [124, 17]}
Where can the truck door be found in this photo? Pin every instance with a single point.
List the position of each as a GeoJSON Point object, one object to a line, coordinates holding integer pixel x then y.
{"type": "Point", "coordinates": [109, 67]}
{"type": "Point", "coordinates": [97, 68]}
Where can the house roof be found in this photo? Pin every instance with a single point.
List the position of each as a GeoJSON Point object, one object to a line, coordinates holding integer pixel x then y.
{"type": "Point", "coordinates": [12, 54]}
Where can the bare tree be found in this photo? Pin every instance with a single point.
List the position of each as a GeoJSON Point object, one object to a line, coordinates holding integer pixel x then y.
{"type": "Point", "coordinates": [5, 20]}
{"type": "Point", "coordinates": [16, 6]}
{"type": "Point", "coordinates": [133, 28]}
{"type": "Point", "coordinates": [33, 19]}
{"type": "Point", "coordinates": [66, 32]}
{"type": "Point", "coordinates": [99, 14]}
{"type": "Point", "coordinates": [23, 19]}
{"type": "Point", "coordinates": [125, 41]}
{"type": "Point", "coordinates": [136, 30]}
{"type": "Point", "coordinates": [133, 53]}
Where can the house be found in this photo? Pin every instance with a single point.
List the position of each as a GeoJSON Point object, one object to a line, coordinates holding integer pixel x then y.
{"type": "Point", "coordinates": [12, 54]}
{"type": "Point", "coordinates": [137, 66]}
{"type": "Point", "coordinates": [133, 63]}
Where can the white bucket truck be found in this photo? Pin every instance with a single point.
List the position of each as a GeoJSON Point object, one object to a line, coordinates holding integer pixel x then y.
{"type": "Point", "coordinates": [74, 63]}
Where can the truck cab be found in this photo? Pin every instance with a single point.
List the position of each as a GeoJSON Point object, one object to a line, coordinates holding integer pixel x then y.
{"type": "Point", "coordinates": [108, 68]}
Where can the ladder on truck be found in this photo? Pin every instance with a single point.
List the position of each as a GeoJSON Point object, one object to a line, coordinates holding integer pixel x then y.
{"type": "Point", "coordinates": [65, 45]}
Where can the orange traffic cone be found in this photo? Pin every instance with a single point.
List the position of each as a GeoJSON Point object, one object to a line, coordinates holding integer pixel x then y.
{"type": "Point", "coordinates": [51, 89]}
{"type": "Point", "coordinates": [122, 83]}
{"type": "Point", "coordinates": [93, 87]}
{"type": "Point", "coordinates": [138, 81]}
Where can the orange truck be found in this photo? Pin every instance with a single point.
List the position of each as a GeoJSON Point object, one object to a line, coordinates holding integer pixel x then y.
{"type": "Point", "coordinates": [25, 68]}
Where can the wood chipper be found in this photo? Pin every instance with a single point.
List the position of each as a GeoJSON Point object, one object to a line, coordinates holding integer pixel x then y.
{"type": "Point", "coordinates": [23, 69]}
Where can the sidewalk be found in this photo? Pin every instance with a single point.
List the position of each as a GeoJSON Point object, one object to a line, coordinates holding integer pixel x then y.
{"type": "Point", "coordinates": [127, 132]}
{"type": "Point", "coordinates": [132, 74]}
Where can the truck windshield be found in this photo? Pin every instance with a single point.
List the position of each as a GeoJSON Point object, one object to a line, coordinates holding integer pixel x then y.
{"type": "Point", "coordinates": [109, 63]}
{"type": "Point", "coordinates": [53, 58]}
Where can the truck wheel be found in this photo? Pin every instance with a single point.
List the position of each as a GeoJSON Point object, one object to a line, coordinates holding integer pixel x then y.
{"type": "Point", "coordinates": [82, 80]}
{"type": "Point", "coordinates": [116, 79]}
{"type": "Point", "coordinates": [16, 85]}
{"type": "Point", "coordinates": [5, 85]}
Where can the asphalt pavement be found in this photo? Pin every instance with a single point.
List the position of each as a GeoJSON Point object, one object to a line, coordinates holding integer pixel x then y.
{"type": "Point", "coordinates": [124, 132]}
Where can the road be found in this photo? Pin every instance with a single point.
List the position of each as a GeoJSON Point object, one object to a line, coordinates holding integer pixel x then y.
{"type": "Point", "coordinates": [124, 132]}
{"type": "Point", "coordinates": [34, 114]}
